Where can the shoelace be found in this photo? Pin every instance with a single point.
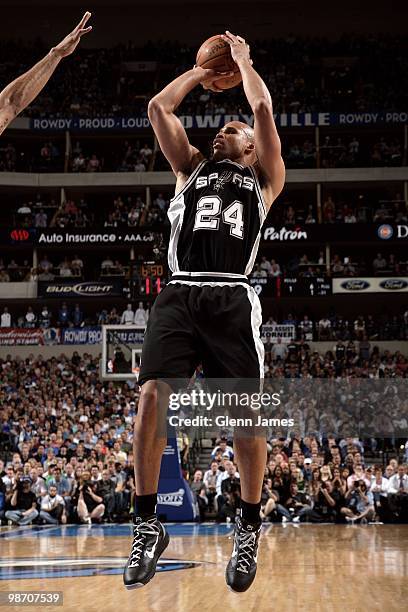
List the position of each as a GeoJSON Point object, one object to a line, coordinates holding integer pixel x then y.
{"type": "Point", "coordinates": [246, 551]}
{"type": "Point", "coordinates": [140, 532]}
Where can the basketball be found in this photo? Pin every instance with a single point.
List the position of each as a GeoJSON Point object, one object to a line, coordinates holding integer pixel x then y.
{"type": "Point", "coordinates": [215, 54]}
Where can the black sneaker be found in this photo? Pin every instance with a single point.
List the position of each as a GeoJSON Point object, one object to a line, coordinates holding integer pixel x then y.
{"type": "Point", "coordinates": [150, 539]}
{"type": "Point", "coordinates": [241, 568]}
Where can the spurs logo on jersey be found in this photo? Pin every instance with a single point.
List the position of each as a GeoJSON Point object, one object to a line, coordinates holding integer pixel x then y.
{"type": "Point", "coordinates": [246, 182]}
{"type": "Point", "coordinates": [216, 220]}
{"type": "Point", "coordinates": [222, 180]}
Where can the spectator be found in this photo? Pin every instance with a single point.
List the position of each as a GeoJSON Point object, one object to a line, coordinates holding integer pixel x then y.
{"type": "Point", "coordinates": [53, 507]}
{"type": "Point", "coordinates": [44, 320]}
{"type": "Point", "coordinates": [298, 504]}
{"type": "Point", "coordinates": [279, 350]}
{"type": "Point", "coordinates": [77, 265]}
{"type": "Point", "coordinates": [379, 264]}
{"type": "Point", "coordinates": [360, 503]}
{"type": "Point", "coordinates": [223, 448]}
{"type": "Point", "coordinates": [324, 328]}
{"type": "Point", "coordinates": [94, 164]}
{"type": "Point", "coordinates": [5, 320]}
{"type": "Point", "coordinates": [63, 315]}
{"type": "Point", "coordinates": [88, 503]}
{"type": "Point", "coordinates": [30, 318]}
{"type": "Point", "coordinates": [160, 202]}
{"type": "Point", "coordinates": [40, 219]}
{"type": "Point", "coordinates": [127, 316]}
{"type": "Point", "coordinates": [23, 503]}
{"type": "Point", "coordinates": [65, 270]}
{"type": "Point", "coordinates": [106, 490]}
{"type": "Point", "coordinates": [398, 493]}
{"type": "Point", "coordinates": [77, 317]}
{"type": "Point", "coordinates": [141, 316]}
{"type": "Point", "coordinates": [266, 265]}
{"type": "Point", "coordinates": [45, 264]}
{"type": "Point", "coordinates": [106, 264]}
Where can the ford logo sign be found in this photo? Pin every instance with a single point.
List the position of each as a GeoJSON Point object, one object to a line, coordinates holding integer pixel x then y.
{"type": "Point", "coordinates": [385, 231]}
{"type": "Point", "coordinates": [394, 284]}
{"type": "Point", "coordinates": [355, 285]}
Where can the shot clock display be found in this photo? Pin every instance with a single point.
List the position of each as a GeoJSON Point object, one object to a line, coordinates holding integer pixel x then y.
{"type": "Point", "coordinates": [151, 278]}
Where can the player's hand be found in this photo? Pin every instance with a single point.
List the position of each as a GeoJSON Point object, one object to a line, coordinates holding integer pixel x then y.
{"type": "Point", "coordinates": [70, 42]}
{"type": "Point", "coordinates": [240, 50]}
{"type": "Point", "coordinates": [207, 77]}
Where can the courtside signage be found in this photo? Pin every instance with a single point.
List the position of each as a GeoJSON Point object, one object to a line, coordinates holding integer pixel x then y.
{"type": "Point", "coordinates": [370, 285]}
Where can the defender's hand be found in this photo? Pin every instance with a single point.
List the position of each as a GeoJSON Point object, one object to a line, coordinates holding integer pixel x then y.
{"type": "Point", "coordinates": [240, 51]}
{"type": "Point", "coordinates": [207, 77]}
{"type": "Point", "coordinates": [70, 42]}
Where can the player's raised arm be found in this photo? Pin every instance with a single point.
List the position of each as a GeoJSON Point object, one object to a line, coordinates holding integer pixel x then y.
{"type": "Point", "coordinates": [267, 141]}
{"type": "Point", "coordinates": [172, 137]}
{"type": "Point", "coordinates": [21, 92]}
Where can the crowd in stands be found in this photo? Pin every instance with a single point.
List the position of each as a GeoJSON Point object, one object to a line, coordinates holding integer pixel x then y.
{"type": "Point", "coordinates": [42, 211]}
{"type": "Point", "coordinates": [66, 453]}
{"type": "Point", "coordinates": [73, 315]}
{"type": "Point", "coordinates": [333, 326]}
{"type": "Point", "coordinates": [308, 480]}
{"type": "Point", "coordinates": [309, 266]}
{"type": "Point", "coordinates": [305, 75]}
{"type": "Point", "coordinates": [125, 211]}
{"type": "Point", "coordinates": [340, 152]}
{"type": "Point", "coordinates": [339, 208]}
{"type": "Point", "coordinates": [337, 152]}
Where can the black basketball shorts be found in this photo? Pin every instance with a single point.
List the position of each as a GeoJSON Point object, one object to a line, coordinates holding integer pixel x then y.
{"type": "Point", "coordinates": [204, 319]}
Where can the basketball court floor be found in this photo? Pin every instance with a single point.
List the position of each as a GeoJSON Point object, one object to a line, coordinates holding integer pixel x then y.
{"type": "Point", "coordinates": [321, 568]}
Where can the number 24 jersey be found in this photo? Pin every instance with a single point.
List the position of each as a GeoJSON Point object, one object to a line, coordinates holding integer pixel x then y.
{"type": "Point", "coordinates": [216, 220]}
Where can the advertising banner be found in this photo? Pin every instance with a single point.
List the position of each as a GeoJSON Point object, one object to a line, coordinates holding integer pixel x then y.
{"type": "Point", "coordinates": [370, 285]}
{"type": "Point", "coordinates": [73, 288]}
{"type": "Point", "coordinates": [271, 332]}
{"type": "Point", "coordinates": [174, 498]}
{"type": "Point", "coordinates": [76, 237]}
{"type": "Point", "coordinates": [81, 335]}
{"type": "Point", "coordinates": [10, 336]}
{"type": "Point", "coordinates": [282, 120]}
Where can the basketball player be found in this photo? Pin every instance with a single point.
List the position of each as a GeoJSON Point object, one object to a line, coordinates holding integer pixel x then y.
{"type": "Point", "coordinates": [208, 312]}
{"type": "Point", "coordinates": [21, 92]}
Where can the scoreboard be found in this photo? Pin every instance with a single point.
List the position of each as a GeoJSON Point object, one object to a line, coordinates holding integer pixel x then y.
{"type": "Point", "coordinates": [306, 286]}
{"type": "Point", "coordinates": [292, 286]}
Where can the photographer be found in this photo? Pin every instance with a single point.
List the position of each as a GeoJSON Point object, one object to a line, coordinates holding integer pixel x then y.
{"type": "Point", "coordinates": [2, 499]}
{"type": "Point", "coordinates": [269, 500]}
{"type": "Point", "coordinates": [232, 502]}
{"type": "Point", "coordinates": [23, 503]}
{"type": "Point", "coordinates": [106, 490]}
{"type": "Point", "coordinates": [323, 503]}
{"type": "Point", "coordinates": [53, 507]}
{"type": "Point", "coordinates": [298, 504]}
{"type": "Point", "coordinates": [89, 504]}
{"type": "Point", "coordinates": [360, 503]}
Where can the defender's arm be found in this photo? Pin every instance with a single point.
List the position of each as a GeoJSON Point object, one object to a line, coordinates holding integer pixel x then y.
{"type": "Point", "coordinates": [21, 92]}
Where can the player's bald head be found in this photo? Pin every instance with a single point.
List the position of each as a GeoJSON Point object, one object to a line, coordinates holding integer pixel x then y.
{"type": "Point", "coordinates": [244, 128]}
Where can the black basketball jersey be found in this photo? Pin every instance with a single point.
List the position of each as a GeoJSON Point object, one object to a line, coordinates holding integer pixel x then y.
{"type": "Point", "coordinates": [216, 220]}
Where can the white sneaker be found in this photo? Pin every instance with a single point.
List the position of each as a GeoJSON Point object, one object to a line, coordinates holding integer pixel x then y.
{"type": "Point", "coordinates": [284, 519]}
{"type": "Point", "coordinates": [296, 519]}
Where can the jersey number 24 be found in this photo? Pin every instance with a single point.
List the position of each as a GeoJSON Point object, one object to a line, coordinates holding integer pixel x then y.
{"type": "Point", "coordinates": [208, 215]}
